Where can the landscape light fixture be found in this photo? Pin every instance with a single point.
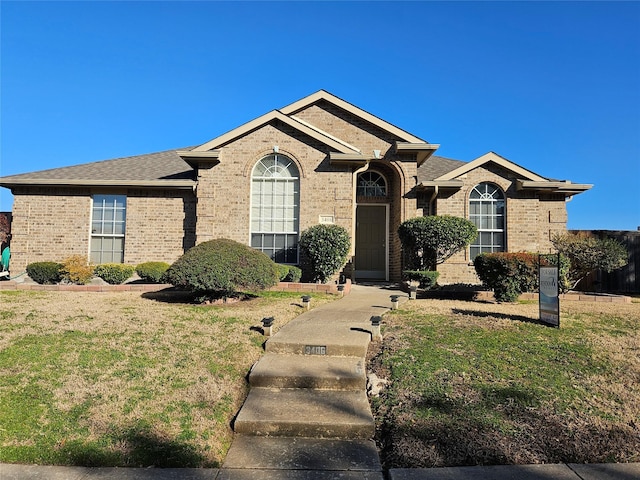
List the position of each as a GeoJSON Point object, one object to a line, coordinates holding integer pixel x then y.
{"type": "Point", "coordinates": [375, 327]}
{"type": "Point", "coordinates": [267, 324]}
{"type": "Point", "coordinates": [306, 301]}
{"type": "Point", "coordinates": [413, 290]}
{"type": "Point", "coordinates": [394, 302]}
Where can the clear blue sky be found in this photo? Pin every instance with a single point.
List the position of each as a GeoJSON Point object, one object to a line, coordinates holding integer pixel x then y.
{"type": "Point", "coordinates": [553, 87]}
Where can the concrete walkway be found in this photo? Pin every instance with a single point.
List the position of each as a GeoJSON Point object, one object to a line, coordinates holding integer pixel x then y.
{"type": "Point", "coordinates": [307, 415]}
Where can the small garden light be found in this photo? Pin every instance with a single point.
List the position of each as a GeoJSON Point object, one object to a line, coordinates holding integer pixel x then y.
{"type": "Point", "coordinates": [413, 289]}
{"type": "Point", "coordinates": [306, 301]}
{"type": "Point", "coordinates": [341, 290]}
{"type": "Point", "coordinates": [394, 301]}
{"type": "Point", "coordinates": [375, 327]}
{"type": "Point", "coordinates": [267, 323]}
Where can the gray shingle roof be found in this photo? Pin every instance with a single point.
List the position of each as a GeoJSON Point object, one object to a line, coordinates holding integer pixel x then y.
{"type": "Point", "coordinates": [154, 167]}
{"type": "Point", "coordinates": [437, 166]}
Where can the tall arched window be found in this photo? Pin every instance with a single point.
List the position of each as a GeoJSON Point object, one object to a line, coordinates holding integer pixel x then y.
{"type": "Point", "coordinates": [371, 184]}
{"type": "Point", "coordinates": [486, 210]}
{"type": "Point", "coordinates": [275, 208]}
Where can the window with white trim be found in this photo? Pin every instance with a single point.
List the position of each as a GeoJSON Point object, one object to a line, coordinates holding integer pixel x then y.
{"type": "Point", "coordinates": [487, 212]}
{"type": "Point", "coordinates": [107, 228]}
{"type": "Point", "coordinates": [371, 184]}
{"type": "Point", "coordinates": [275, 208]}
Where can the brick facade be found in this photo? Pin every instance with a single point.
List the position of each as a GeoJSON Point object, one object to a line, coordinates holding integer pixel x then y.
{"type": "Point", "coordinates": [51, 224]}
{"type": "Point", "coordinates": [214, 198]}
{"type": "Point", "coordinates": [531, 219]}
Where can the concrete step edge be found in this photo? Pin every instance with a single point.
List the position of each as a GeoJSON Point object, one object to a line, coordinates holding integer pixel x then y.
{"type": "Point", "coordinates": [305, 413]}
{"type": "Point", "coordinates": [306, 371]}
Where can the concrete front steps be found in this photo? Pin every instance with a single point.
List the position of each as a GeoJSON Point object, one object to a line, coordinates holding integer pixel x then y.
{"type": "Point", "coordinates": [306, 417]}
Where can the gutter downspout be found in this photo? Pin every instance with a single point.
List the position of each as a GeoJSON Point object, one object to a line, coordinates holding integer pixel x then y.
{"type": "Point", "coordinates": [432, 199]}
{"type": "Point", "coordinates": [353, 216]}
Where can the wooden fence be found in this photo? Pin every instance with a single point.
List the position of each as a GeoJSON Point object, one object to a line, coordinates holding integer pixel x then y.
{"type": "Point", "coordinates": [623, 280]}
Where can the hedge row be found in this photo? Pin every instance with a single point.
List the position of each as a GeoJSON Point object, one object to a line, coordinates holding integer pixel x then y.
{"type": "Point", "coordinates": [76, 269]}
{"type": "Point", "coordinates": [510, 274]}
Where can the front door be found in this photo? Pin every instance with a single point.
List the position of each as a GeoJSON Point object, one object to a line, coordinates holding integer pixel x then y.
{"type": "Point", "coordinates": [371, 242]}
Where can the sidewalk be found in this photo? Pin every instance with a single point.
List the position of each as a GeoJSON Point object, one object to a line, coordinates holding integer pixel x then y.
{"type": "Point", "coordinates": [309, 365]}
{"type": "Point", "coordinates": [607, 471]}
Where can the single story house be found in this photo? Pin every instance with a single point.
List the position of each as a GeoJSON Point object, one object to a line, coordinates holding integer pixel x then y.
{"type": "Point", "coordinates": [317, 160]}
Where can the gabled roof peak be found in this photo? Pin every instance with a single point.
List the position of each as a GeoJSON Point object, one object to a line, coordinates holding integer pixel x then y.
{"type": "Point", "coordinates": [287, 115]}
{"type": "Point", "coordinates": [497, 159]}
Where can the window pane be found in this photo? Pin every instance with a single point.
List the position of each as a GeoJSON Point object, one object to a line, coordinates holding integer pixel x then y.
{"type": "Point", "coordinates": [109, 218]}
{"type": "Point", "coordinates": [486, 211]}
{"type": "Point", "coordinates": [274, 201]}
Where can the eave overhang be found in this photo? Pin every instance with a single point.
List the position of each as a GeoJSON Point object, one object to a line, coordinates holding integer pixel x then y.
{"type": "Point", "coordinates": [423, 150]}
{"type": "Point", "coordinates": [60, 182]}
{"type": "Point", "coordinates": [433, 184]}
{"type": "Point", "coordinates": [197, 159]}
{"type": "Point", "coordinates": [560, 187]}
{"type": "Point", "coordinates": [349, 159]}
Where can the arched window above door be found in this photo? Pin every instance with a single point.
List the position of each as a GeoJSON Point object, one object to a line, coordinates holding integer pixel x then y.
{"type": "Point", "coordinates": [371, 184]}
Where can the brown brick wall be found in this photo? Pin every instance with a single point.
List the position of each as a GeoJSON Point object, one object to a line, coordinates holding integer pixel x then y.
{"type": "Point", "coordinates": [223, 206]}
{"type": "Point", "coordinates": [52, 224]}
{"type": "Point", "coordinates": [531, 221]}
{"type": "Point", "coordinates": [48, 225]}
{"type": "Point", "coordinates": [160, 225]}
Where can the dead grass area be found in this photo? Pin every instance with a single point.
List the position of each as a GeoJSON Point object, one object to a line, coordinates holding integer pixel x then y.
{"type": "Point", "coordinates": [121, 379]}
{"type": "Point", "coordinates": [483, 383]}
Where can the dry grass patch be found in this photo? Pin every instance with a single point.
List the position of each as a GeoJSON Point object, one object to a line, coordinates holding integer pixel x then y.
{"type": "Point", "coordinates": [483, 383]}
{"type": "Point", "coordinates": [121, 379]}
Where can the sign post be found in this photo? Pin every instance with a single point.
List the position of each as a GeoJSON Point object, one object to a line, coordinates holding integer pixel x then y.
{"type": "Point", "coordinates": [549, 297]}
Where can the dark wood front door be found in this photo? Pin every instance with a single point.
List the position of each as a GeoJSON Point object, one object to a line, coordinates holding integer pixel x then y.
{"type": "Point", "coordinates": [371, 242]}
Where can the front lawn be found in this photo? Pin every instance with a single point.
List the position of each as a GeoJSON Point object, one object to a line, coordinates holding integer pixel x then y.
{"type": "Point", "coordinates": [480, 383]}
{"type": "Point", "coordinates": [120, 379]}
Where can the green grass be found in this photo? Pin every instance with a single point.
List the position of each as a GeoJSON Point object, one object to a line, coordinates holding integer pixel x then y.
{"type": "Point", "coordinates": [469, 387]}
{"type": "Point", "coordinates": [120, 380]}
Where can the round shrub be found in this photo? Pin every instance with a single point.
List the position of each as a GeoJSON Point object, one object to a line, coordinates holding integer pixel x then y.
{"type": "Point", "coordinates": [152, 272]}
{"type": "Point", "coordinates": [324, 250]}
{"type": "Point", "coordinates": [76, 269]}
{"type": "Point", "coordinates": [114, 273]}
{"type": "Point", "coordinates": [45, 273]}
{"type": "Point", "coordinates": [221, 268]}
{"type": "Point", "coordinates": [431, 240]}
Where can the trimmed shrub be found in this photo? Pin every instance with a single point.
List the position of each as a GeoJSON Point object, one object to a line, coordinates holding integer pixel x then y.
{"type": "Point", "coordinates": [114, 273]}
{"type": "Point", "coordinates": [427, 278]}
{"type": "Point", "coordinates": [510, 274]}
{"type": "Point", "coordinates": [76, 269]}
{"type": "Point", "coordinates": [152, 272]}
{"type": "Point", "coordinates": [219, 268]}
{"type": "Point", "coordinates": [587, 253]}
{"type": "Point", "coordinates": [324, 250]}
{"type": "Point", "coordinates": [429, 241]}
{"type": "Point", "coordinates": [45, 273]}
{"type": "Point", "coordinates": [289, 273]}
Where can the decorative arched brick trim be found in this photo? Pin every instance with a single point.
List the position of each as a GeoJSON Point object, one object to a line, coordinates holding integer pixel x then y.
{"type": "Point", "coordinates": [248, 166]}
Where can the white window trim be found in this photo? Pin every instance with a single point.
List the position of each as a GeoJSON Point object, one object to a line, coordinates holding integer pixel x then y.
{"type": "Point", "coordinates": [504, 217]}
{"type": "Point", "coordinates": [112, 235]}
{"type": "Point", "coordinates": [252, 179]}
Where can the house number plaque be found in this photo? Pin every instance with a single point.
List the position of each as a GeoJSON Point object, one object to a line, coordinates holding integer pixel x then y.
{"type": "Point", "coordinates": [315, 350]}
